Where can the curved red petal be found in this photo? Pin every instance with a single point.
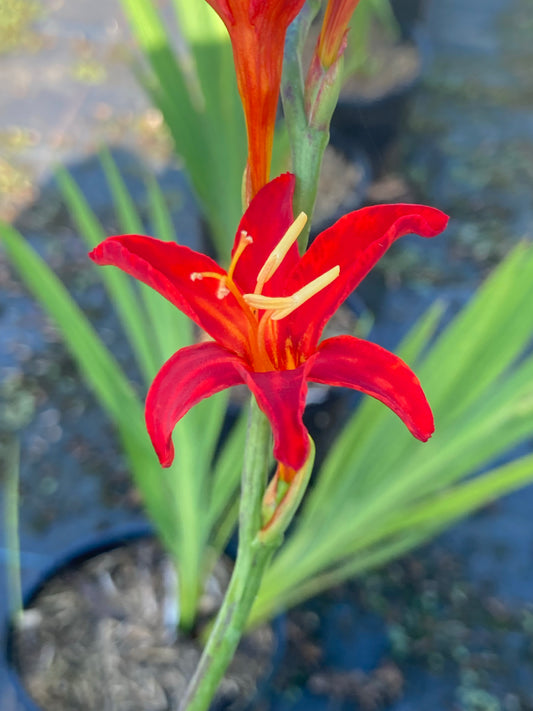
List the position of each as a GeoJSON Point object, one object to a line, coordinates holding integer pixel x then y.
{"type": "Point", "coordinates": [353, 363]}
{"type": "Point", "coordinates": [278, 12]}
{"type": "Point", "coordinates": [355, 242]}
{"type": "Point", "coordinates": [190, 375]}
{"type": "Point", "coordinates": [281, 396]}
{"type": "Point", "coordinates": [266, 220]}
{"type": "Point", "coordinates": [167, 267]}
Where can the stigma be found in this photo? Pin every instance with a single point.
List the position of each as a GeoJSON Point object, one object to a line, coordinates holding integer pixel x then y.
{"type": "Point", "coordinates": [281, 306]}
{"type": "Point", "coordinates": [279, 252]}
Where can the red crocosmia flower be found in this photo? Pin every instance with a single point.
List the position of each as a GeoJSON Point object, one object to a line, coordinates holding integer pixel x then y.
{"type": "Point", "coordinates": [266, 315]}
{"type": "Point", "coordinates": [257, 31]}
{"type": "Point", "coordinates": [332, 40]}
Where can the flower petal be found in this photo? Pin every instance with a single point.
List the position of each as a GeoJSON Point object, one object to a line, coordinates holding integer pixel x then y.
{"type": "Point", "coordinates": [334, 29]}
{"type": "Point", "coordinates": [281, 396]}
{"type": "Point", "coordinates": [190, 375]}
{"type": "Point", "coordinates": [353, 363]}
{"type": "Point", "coordinates": [168, 267]}
{"type": "Point", "coordinates": [355, 243]}
{"type": "Point", "coordinates": [257, 30]}
{"type": "Point", "coordinates": [266, 220]}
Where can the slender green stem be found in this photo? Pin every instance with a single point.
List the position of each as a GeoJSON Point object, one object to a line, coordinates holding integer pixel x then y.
{"type": "Point", "coordinates": [252, 559]}
{"type": "Point", "coordinates": [301, 136]}
{"type": "Point", "coordinates": [307, 125]}
{"type": "Point", "coordinates": [307, 163]}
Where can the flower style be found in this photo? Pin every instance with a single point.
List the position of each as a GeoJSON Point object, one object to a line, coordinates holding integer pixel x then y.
{"type": "Point", "coordinates": [266, 315]}
{"type": "Point", "coordinates": [332, 40]}
{"type": "Point", "coordinates": [257, 31]}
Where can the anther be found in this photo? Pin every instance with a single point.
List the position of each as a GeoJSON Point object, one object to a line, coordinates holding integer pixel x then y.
{"type": "Point", "coordinates": [196, 276]}
{"type": "Point", "coordinates": [222, 290]}
{"type": "Point", "coordinates": [280, 251]}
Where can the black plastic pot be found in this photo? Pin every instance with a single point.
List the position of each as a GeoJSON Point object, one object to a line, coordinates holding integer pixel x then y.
{"type": "Point", "coordinates": [375, 120]}
{"type": "Point", "coordinates": [13, 694]}
{"type": "Point", "coordinates": [409, 14]}
{"type": "Point", "coordinates": [21, 699]}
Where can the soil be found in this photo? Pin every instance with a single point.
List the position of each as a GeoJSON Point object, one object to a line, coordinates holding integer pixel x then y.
{"type": "Point", "coordinates": [392, 66]}
{"type": "Point", "coordinates": [103, 636]}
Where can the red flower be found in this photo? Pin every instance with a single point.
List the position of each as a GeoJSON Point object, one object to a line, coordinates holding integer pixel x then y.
{"type": "Point", "coordinates": [332, 40]}
{"type": "Point", "coordinates": [257, 30]}
{"type": "Point", "coordinates": [266, 315]}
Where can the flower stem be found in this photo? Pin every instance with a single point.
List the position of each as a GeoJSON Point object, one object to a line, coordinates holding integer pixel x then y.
{"type": "Point", "coordinates": [253, 556]}
{"type": "Point", "coordinates": [304, 156]}
{"type": "Point", "coordinates": [308, 107]}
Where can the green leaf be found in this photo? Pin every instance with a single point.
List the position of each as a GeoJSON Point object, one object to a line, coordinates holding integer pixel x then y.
{"type": "Point", "coordinates": [11, 482]}
{"type": "Point", "coordinates": [200, 107]}
{"type": "Point", "coordinates": [121, 291]}
{"type": "Point", "coordinates": [161, 319]}
{"type": "Point", "coordinates": [97, 365]}
{"type": "Point", "coordinates": [225, 481]}
{"type": "Point", "coordinates": [457, 501]}
{"type": "Point", "coordinates": [365, 429]}
{"type": "Point", "coordinates": [380, 492]}
{"type": "Point", "coordinates": [485, 338]}
{"type": "Point", "coordinates": [174, 329]}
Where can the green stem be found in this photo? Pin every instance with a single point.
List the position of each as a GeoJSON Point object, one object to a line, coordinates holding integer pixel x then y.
{"type": "Point", "coordinates": [300, 135]}
{"type": "Point", "coordinates": [252, 559]}
{"type": "Point", "coordinates": [307, 162]}
{"type": "Point", "coordinates": [307, 126]}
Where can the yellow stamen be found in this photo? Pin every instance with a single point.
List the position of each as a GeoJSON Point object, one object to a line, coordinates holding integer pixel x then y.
{"type": "Point", "coordinates": [281, 306]}
{"type": "Point", "coordinates": [279, 252]}
{"type": "Point", "coordinates": [244, 241]}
